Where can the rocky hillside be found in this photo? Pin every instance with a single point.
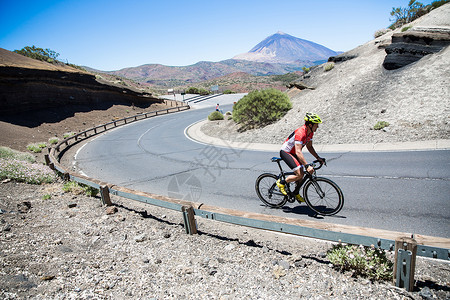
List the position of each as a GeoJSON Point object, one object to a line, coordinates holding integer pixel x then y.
{"type": "Point", "coordinates": [40, 100]}
{"type": "Point", "coordinates": [357, 92]}
{"type": "Point", "coordinates": [27, 84]}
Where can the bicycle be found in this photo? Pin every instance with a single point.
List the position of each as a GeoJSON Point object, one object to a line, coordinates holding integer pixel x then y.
{"type": "Point", "coordinates": [322, 195]}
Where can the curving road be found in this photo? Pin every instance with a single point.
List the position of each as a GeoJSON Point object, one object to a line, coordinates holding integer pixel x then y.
{"type": "Point", "coordinates": [399, 191]}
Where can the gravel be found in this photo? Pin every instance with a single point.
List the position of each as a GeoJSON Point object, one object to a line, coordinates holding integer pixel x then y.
{"type": "Point", "coordinates": [72, 247]}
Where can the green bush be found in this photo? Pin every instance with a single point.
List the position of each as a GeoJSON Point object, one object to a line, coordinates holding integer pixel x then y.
{"type": "Point", "coordinates": [24, 171]}
{"type": "Point", "coordinates": [228, 92]}
{"type": "Point", "coordinates": [34, 148]}
{"type": "Point", "coordinates": [68, 134]}
{"type": "Point", "coordinates": [53, 141]}
{"type": "Point", "coordinates": [215, 115]}
{"type": "Point", "coordinates": [194, 90]}
{"type": "Point", "coordinates": [305, 70]}
{"type": "Point", "coordinates": [260, 108]}
{"type": "Point", "coordinates": [328, 67]}
{"type": "Point", "coordinates": [381, 32]}
{"type": "Point", "coordinates": [406, 28]}
{"type": "Point", "coordinates": [79, 188]}
{"type": "Point", "coordinates": [8, 153]}
{"type": "Point", "coordinates": [380, 125]}
{"type": "Point", "coordinates": [365, 261]}
{"type": "Point", "coordinates": [20, 166]}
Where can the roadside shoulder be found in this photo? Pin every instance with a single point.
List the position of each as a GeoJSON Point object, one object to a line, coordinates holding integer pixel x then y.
{"type": "Point", "coordinates": [195, 133]}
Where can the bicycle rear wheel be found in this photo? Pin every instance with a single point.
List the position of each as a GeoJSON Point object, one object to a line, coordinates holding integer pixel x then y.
{"type": "Point", "coordinates": [268, 191]}
{"type": "Point", "coordinates": [323, 196]}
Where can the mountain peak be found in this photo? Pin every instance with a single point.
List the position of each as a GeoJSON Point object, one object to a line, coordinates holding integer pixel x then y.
{"type": "Point", "coordinates": [284, 48]}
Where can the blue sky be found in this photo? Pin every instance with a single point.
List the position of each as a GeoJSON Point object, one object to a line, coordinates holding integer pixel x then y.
{"type": "Point", "coordinates": [110, 35]}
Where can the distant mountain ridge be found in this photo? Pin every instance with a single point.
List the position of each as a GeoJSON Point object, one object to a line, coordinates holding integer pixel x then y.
{"type": "Point", "coordinates": [284, 48]}
{"type": "Point", "coordinates": [278, 54]}
{"type": "Point", "coordinates": [166, 75]}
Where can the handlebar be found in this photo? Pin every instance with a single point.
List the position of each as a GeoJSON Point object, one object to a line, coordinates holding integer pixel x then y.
{"type": "Point", "coordinates": [314, 164]}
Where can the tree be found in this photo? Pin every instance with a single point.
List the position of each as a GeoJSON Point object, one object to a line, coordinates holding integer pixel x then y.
{"type": "Point", "coordinates": [34, 52]}
{"type": "Point", "coordinates": [404, 15]}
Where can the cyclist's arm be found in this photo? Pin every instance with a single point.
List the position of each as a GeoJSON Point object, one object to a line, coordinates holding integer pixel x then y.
{"type": "Point", "coordinates": [313, 152]}
{"type": "Point", "coordinates": [299, 153]}
{"type": "Point", "coordinates": [301, 158]}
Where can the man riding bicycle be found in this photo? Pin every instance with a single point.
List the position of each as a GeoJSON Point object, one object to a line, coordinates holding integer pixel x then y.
{"type": "Point", "coordinates": [291, 152]}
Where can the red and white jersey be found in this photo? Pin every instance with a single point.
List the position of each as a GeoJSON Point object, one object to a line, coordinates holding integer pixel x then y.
{"type": "Point", "coordinates": [299, 136]}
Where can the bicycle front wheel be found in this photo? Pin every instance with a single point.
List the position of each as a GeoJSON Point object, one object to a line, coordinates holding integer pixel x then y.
{"type": "Point", "coordinates": [323, 196]}
{"type": "Point", "coordinates": [268, 191]}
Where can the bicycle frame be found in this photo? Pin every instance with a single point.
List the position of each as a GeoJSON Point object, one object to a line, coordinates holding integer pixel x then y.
{"type": "Point", "coordinates": [299, 183]}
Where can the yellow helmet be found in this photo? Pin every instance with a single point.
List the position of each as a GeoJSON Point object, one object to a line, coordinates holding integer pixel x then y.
{"type": "Point", "coordinates": [314, 118]}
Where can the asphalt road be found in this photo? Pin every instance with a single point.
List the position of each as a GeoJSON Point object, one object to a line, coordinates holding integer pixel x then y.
{"type": "Point", "coordinates": [399, 191]}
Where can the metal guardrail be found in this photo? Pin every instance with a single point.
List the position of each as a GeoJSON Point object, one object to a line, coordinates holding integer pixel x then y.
{"type": "Point", "coordinates": [278, 224]}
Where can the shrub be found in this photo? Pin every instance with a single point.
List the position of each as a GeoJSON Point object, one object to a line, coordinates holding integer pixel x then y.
{"type": "Point", "coordinates": [194, 90]}
{"type": "Point", "coordinates": [228, 92]}
{"type": "Point", "coordinates": [46, 197]}
{"type": "Point", "coordinates": [328, 67]}
{"type": "Point", "coordinates": [381, 32]}
{"type": "Point", "coordinates": [365, 261]}
{"type": "Point", "coordinates": [53, 141]}
{"type": "Point", "coordinates": [24, 171]}
{"type": "Point", "coordinates": [228, 113]}
{"type": "Point", "coordinates": [215, 115]}
{"type": "Point", "coordinates": [68, 134]}
{"type": "Point", "coordinates": [8, 153]}
{"type": "Point", "coordinates": [34, 148]}
{"type": "Point", "coordinates": [260, 108]}
{"type": "Point", "coordinates": [380, 125]}
{"type": "Point", "coordinates": [79, 188]}
{"type": "Point", "coordinates": [305, 70]}
{"type": "Point", "coordinates": [406, 28]}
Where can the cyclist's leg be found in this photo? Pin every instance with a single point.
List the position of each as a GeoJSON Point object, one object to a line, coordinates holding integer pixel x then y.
{"type": "Point", "coordinates": [292, 162]}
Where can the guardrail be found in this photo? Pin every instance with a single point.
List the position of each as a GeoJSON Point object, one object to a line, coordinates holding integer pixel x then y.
{"type": "Point", "coordinates": [405, 247]}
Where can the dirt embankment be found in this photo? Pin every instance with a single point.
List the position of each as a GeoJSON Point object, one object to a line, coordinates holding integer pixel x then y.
{"type": "Point", "coordinates": [39, 100]}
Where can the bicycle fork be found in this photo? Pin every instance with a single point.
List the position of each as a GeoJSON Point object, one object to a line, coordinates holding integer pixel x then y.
{"type": "Point", "coordinates": [318, 189]}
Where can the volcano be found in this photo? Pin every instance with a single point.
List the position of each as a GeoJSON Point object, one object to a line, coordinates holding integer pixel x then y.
{"type": "Point", "coordinates": [284, 48]}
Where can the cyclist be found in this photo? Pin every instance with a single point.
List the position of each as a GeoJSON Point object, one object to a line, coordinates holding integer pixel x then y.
{"type": "Point", "coordinates": [291, 151]}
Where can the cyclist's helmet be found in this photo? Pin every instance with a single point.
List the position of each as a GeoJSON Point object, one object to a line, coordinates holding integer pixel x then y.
{"type": "Point", "coordinates": [314, 118]}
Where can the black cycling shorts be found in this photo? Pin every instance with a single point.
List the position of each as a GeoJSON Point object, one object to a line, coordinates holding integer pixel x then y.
{"type": "Point", "coordinates": [291, 160]}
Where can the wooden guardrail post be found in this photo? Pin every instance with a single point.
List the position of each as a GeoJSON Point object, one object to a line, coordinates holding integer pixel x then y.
{"type": "Point", "coordinates": [47, 159]}
{"type": "Point", "coordinates": [189, 220]}
{"type": "Point", "coordinates": [405, 262]}
{"type": "Point", "coordinates": [104, 193]}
